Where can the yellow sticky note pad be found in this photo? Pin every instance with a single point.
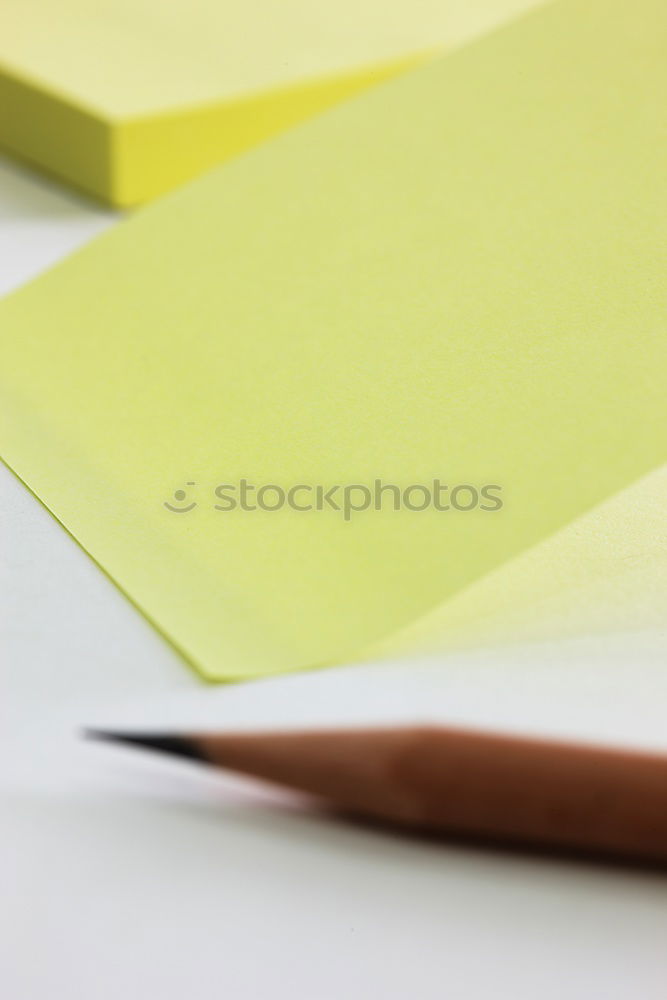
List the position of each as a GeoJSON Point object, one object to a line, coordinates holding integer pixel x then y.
{"type": "Point", "coordinates": [457, 276]}
{"type": "Point", "coordinates": [128, 98]}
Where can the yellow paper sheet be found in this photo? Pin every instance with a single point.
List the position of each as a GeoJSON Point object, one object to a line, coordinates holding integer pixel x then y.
{"type": "Point", "coordinates": [128, 98]}
{"type": "Point", "coordinates": [605, 572]}
{"type": "Point", "coordinates": [457, 275]}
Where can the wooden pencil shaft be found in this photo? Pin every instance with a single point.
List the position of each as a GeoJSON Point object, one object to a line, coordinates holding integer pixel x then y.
{"type": "Point", "coordinates": [462, 782]}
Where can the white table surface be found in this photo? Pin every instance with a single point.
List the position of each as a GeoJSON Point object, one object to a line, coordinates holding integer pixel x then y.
{"type": "Point", "coordinates": [130, 877]}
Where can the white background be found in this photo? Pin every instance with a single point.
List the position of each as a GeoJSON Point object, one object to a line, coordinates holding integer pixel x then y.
{"type": "Point", "coordinates": [131, 877]}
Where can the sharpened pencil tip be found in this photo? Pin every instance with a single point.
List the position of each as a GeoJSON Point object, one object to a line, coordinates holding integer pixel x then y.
{"type": "Point", "coordinates": [168, 743]}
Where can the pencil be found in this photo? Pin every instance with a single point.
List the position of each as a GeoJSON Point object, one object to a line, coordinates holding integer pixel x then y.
{"type": "Point", "coordinates": [586, 798]}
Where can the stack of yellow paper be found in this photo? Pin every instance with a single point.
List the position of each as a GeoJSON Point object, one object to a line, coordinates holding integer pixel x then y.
{"type": "Point", "coordinates": [458, 276]}
{"type": "Point", "coordinates": [128, 98]}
